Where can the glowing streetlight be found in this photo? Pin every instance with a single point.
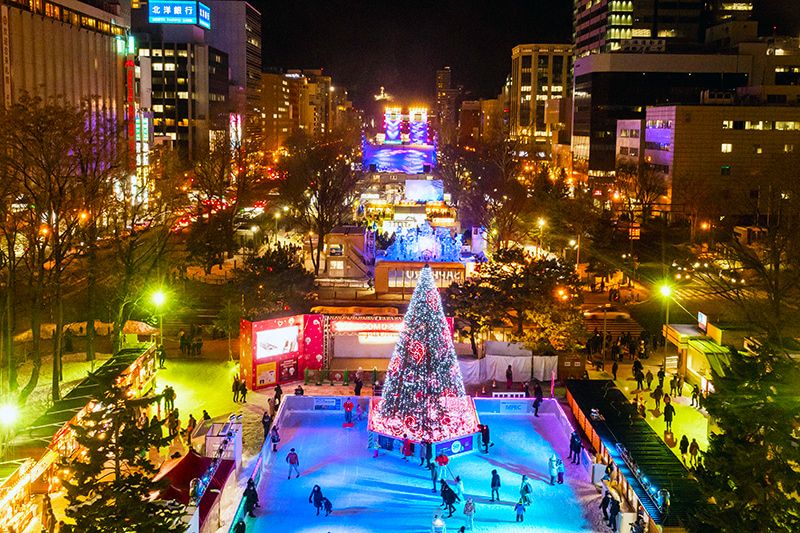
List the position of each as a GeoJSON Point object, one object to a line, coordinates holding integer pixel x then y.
{"type": "Point", "coordinates": [159, 298]}
{"type": "Point", "coordinates": [9, 413]}
{"type": "Point", "coordinates": [277, 218]}
{"type": "Point", "coordinates": [665, 290]}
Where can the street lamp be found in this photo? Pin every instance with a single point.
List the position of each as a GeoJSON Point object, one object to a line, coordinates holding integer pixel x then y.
{"type": "Point", "coordinates": [666, 292]}
{"type": "Point", "coordinates": [159, 298]}
{"type": "Point", "coordinates": [277, 217]}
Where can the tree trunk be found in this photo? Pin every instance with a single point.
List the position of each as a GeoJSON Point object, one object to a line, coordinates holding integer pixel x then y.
{"type": "Point", "coordinates": [320, 244]}
{"type": "Point", "coordinates": [314, 260]}
{"type": "Point", "coordinates": [58, 345]}
{"type": "Point", "coordinates": [472, 342]}
{"type": "Point", "coordinates": [36, 342]}
{"type": "Point", "coordinates": [11, 363]}
{"type": "Point", "coordinates": [91, 291]}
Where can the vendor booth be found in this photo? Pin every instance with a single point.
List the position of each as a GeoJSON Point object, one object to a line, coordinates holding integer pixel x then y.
{"type": "Point", "coordinates": [501, 354]}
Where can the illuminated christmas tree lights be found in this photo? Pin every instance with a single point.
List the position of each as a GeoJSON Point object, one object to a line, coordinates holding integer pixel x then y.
{"type": "Point", "coordinates": [424, 395]}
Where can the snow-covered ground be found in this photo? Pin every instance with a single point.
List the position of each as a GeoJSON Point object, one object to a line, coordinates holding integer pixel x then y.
{"type": "Point", "coordinates": [389, 495]}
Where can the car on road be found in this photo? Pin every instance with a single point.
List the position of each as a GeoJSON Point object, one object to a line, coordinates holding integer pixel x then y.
{"type": "Point", "coordinates": [732, 276]}
{"type": "Point", "coordinates": [611, 313]}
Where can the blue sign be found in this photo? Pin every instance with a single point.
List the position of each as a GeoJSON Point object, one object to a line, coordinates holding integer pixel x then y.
{"type": "Point", "coordinates": [172, 12]}
{"type": "Point", "coordinates": [203, 16]}
{"type": "Point", "coordinates": [455, 446]}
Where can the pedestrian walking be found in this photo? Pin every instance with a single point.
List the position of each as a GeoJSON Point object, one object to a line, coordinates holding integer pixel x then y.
{"type": "Point", "coordinates": [575, 447]}
{"type": "Point", "coordinates": [552, 467]}
{"type": "Point", "coordinates": [486, 438]}
{"type": "Point", "coordinates": [684, 448]}
{"type": "Point", "coordinates": [695, 396]}
{"type": "Point", "coordinates": [250, 498]}
{"type": "Point", "coordinates": [271, 407]}
{"type": "Point", "coordinates": [450, 498]}
{"type": "Point", "coordinates": [694, 448]}
{"type": "Point", "coordinates": [648, 378]}
{"type": "Point", "coordinates": [275, 438]}
{"type": "Point", "coordinates": [657, 395]}
{"type": "Point", "coordinates": [348, 411]}
{"type": "Point", "coordinates": [190, 427]}
{"type": "Point", "coordinates": [539, 397]}
{"type": "Point", "coordinates": [680, 386]}
{"type": "Point", "coordinates": [604, 505]}
{"type": "Point", "coordinates": [469, 512]}
{"type": "Point", "coordinates": [278, 394]}
{"type": "Point", "coordinates": [639, 378]}
{"type": "Point", "coordinates": [206, 416]}
{"type": "Point", "coordinates": [243, 391]}
{"type": "Point", "coordinates": [182, 341]}
{"type": "Point", "coordinates": [294, 464]}
{"type": "Point", "coordinates": [673, 385]}
{"type": "Point", "coordinates": [669, 414]}
{"type": "Point", "coordinates": [519, 509]}
{"type": "Point", "coordinates": [169, 398]}
{"type": "Point", "coordinates": [407, 448]}
{"type": "Point", "coordinates": [359, 384]}
{"type": "Point", "coordinates": [162, 356]}
{"type": "Point", "coordinates": [316, 498]}
{"type": "Point", "coordinates": [661, 375]}
{"type": "Point", "coordinates": [495, 486]}
{"type": "Point", "coordinates": [614, 369]}
{"type": "Point", "coordinates": [235, 389]}
{"type": "Point", "coordinates": [509, 377]}
{"type": "Point", "coordinates": [612, 514]}
{"type": "Point", "coordinates": [266, 421]}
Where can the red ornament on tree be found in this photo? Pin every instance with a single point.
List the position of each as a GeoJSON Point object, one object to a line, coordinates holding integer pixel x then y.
{"type": "Point", "coordinates": [417, 351]}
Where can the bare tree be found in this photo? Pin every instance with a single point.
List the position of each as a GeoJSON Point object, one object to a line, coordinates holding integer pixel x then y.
{"type": "Point", "coordinates": [642, 185]}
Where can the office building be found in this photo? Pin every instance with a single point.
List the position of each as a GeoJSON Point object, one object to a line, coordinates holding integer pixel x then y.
{"type": "Point", "coordinates": [446, 111]}
{"type": "Point", "coordinates": [236, 30]}
{"type": "Point", "coordinates": [611, 87]}
{"type": "Point", "coordinates": [189, 92]}
{"type": "Point", "coordinates": [612, 25]}
{"type": "Point", "coordinates": [539, 72]}
{"type": "Point", "coordinates": [69, 49]}
{"type": "Point", "coordinates": [469, 123]}
{"type": "Point", "coordinates": [276, 111]}
{"type": "Point", "coordinates": [716, 160]}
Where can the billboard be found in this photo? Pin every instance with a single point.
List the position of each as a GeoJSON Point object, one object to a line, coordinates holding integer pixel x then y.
{"type": "Point", "coordinates": [424, 191]}
{"type": "Point", "coordinates": [275, 342]}
{"type": "Point", "coordinates": [179, 12]}
{"type": "Point", "coordinates": [203, 16]}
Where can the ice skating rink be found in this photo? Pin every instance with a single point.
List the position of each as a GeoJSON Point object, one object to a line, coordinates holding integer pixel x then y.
{"type": "Point", "coordinates": [389, 495]}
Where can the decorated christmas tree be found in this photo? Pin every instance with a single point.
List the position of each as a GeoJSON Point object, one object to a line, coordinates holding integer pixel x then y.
{"type": "Point", "coordinates": [423, 396]}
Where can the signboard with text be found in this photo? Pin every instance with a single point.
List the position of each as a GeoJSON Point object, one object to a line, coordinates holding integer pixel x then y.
{"type": "Point", "coordinates": [179, 12]}
{"type": "Point", "coordinates": [455, 447]}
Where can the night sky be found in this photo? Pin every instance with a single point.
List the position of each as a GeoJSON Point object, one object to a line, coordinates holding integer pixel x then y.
{"type": "Point", "coordinates": [400, 44]}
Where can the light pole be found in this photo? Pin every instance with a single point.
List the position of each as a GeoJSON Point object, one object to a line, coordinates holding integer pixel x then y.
{"type": "Point", "coordinates": [666, 292]}
{"type": "Point", "coordinates": [540, 222]}
{"type": "Point", "coordinates": [159, 298]}
{"type": "Point", "coordinates": [277, 217]}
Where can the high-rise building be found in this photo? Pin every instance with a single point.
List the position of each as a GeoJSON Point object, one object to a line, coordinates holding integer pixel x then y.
{"type": "Point", "coordinates": [276, 110]}
{"type": "Point", "coordinates": [611, 25]}
{"type": "Point", "coordinates": [728, 10]}
{"type": "Point", "coordinates": [538, 72]}
{"type": "Point", "coordinates": [189, 92]}
{"type": "Point", "coordinates": [446, 104]}
{"type": "Point", "coordinates": [469, 123]}
{"type": "Point", "coordinates": [71, 49]}
{"type": "Point", "coordinates": [236, 30]}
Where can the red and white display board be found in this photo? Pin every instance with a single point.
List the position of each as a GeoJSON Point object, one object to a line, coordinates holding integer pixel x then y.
{"type": "Point", "coordinates": [279, 350]}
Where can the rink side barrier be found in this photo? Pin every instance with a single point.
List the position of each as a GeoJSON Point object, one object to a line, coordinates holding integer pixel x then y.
{"type": "Point", "coordinates": [510, 406]}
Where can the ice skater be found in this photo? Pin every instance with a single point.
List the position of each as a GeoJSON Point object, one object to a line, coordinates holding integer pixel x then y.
{"type": "Point", "coordinates": [407, 448]}
{"type": "Point", "coordinates": [575, 448]}
{"type": "Point", "coordinates": [495, 486]}
{"type": "Point", "coordinates": [449, 497]}
{"type": "Point", "coordinates": [520, 510]}
{"type": "Point", "coordinates": [486, 438]}
{"type": "Point", "coordinates": [316, 498]}
{"type": "Point", "coordinates": [459, 483]}
{"type": "Point", "coordinates": [560, 471]}
{"type": "Point", "coordinates": [275, 438]}
{"type": "Point", "coordinates": [526, 491]}
{"type": "Point", "coordinates": [425, 453]}
{"type": "Point", "coordinates": [294, 463]}
{"type": "Point", "coordinates": [552, 466]}
{"type": "Point", "coordinates": [327, 505]}
{"type": "Point", "coordinates": [469, 512]}
{"type": "Point", "coordinates": [348, 411]}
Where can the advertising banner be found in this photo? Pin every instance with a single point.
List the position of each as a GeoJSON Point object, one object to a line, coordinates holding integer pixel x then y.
{"type": "Point", "coordinates": [172, 12]}
{"type": "Point", "coordinates": [327, 404]}
{"type": "Point", "coordinates": [455, 447]}
{"type": "Point", "coordinates": [266, 374]}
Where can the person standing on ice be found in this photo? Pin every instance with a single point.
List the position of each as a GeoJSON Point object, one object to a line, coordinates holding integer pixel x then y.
{"type": "Point", "coordinates": [486, 438]}
{"type": "Point", "coordinates": [537, 393]}
{"type": "Point", "coordinates": [495, 486]}
{"type": "Point", "coordinates": [526, 491]}
{"type": "Point", "coordinates": [294, 464]}
{"type": "Point", "coordinates": [459, 487]}
{"type": "Point", "coordinates": [407, 448]}
{"type": "Point", "coordinates": [316, 497]}
{"type": "Point", "coordinates": [560, 470]}
{"type": "Point", "coordinates": [469, 512]}
{"type": "Point", "coordinates": [275, 438]}
{"type": "Point", "coordinates": [552, 466]}
{"type": "Point", "coordinates": [520, 510]}
{"type": "Point", "coordinates": [348, 411]}
{"type": "Point", "coordinates": [434, 475]}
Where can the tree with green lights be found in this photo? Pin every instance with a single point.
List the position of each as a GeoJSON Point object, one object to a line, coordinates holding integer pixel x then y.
{"type": "Point", "coordinates": [423, 369]}
{"type": "Point", "coordinates": [109, 479]}
{"type": "Point", "coordinates": [752, 467]}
